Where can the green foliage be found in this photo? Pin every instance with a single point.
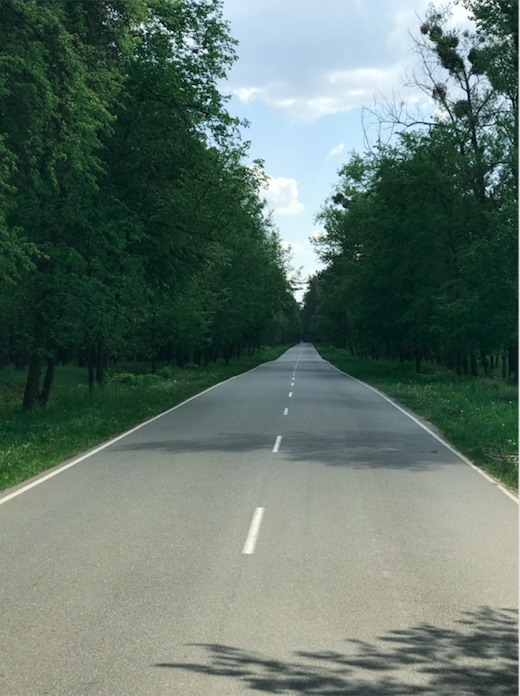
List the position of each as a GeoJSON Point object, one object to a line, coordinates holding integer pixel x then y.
{"type": "Point", "coordinates": [420, 239]}
{"type": "Point", "coordinates": [130, 224]}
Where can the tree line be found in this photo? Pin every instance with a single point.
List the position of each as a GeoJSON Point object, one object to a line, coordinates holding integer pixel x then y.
{"type": "Point", "coordinates": [420, 242]}
{"type": "Point", "coordinates": [129, 223]}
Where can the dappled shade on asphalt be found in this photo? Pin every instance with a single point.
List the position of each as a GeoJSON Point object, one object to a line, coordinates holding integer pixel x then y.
{"type": "Point", "coordinates": [475, 657]}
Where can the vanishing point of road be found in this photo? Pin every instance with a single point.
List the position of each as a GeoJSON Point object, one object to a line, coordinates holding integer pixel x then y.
{"type": "Point", "coordinates": [290, 531]}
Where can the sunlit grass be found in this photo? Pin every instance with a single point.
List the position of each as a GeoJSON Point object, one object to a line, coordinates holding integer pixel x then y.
{"type": "Point", "coordinates": [75, 419]}
{"type": "Point", "coordinates": [477, 415]}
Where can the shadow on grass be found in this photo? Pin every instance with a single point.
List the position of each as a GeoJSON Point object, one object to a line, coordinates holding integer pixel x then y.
{"type": "Point", "coordinates": [478, 658]}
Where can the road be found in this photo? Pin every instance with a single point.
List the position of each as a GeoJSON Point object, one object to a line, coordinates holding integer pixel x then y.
{"type": "Point", "coordinates": [289, 531]}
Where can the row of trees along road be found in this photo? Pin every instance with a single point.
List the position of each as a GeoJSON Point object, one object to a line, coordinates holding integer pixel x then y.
{"type": "Point", "coordinates": [129, 223]}
{"type": "Point", "coordinates": [420, 241]}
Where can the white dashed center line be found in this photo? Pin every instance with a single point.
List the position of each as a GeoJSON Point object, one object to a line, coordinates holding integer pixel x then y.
{"type": "Point", "coordinates": [254, 530]}
{"type": "Point", "coordinates": [286, 411]}
{"type": "Point", "coordinates": [277, 443]}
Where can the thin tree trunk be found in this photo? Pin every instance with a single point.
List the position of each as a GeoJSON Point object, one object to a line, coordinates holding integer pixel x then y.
{"type": "Point", "coordinates": [179, 356]}
{"type": "Point", "coordinates": [5, 349]}
{"type": "Point", "coordinates": [513, 361]}
{"type": "Point", "coordinates": [417, 355]}
{"type": "Point", "coordinates": [485, 363]}
{"type": "Point", "coordinates": [153, 340]}
{"type": "Point", "coordinates": [47, 382]}
{"type": "Point", "coordinates": [90, 368]}
{"type": "Point", "coordinates": [99, 361]}
{"type": "Point", "coordinates": [32, 386]}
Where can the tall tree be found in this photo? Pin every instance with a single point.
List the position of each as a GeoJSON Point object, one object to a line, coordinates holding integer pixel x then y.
{"type": "Point", "coordinates": [61, 74]}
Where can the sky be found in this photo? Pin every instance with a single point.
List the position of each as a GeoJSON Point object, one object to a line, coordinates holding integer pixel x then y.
{"type": "Point", "coordinates": [307, 70]}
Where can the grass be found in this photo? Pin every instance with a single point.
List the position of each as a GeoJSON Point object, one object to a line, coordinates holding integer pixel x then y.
{"type": "Point", "coordinates": [479, 416]}
{"type": "Point", "coordinates": [75, 420]}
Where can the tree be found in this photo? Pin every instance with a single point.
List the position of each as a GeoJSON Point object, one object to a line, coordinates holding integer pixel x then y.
{"type": "Point", "coordinates": [60, 65]}
{"type": "Point", "coordinates": [129, 224]}
{"type": "Point", "coordinates": [420, 236]}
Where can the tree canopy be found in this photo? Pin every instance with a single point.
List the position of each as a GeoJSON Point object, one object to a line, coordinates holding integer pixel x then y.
{"type": "Point", "coordinates": [130, 224]}
{"type": "Point", "coordinates": [420, 240]}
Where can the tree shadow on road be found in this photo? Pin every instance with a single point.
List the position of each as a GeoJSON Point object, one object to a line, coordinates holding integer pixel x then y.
{"type": "Point", "coordinates": [477, 658]}
{"type": "Point", "coordinates": [390, 451]}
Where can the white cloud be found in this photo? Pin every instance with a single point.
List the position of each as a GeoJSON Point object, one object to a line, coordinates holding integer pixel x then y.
{"type": "Point", "coordinates": [307, 62]}
{"type": "Point", "coordinates": [246, 94]}
{"type": "Point", "coordinates": [282, 196]}
{"type": "Point", "coordinates": [329, 93]}
{"type": "Point", "coordinates": [336, 150]}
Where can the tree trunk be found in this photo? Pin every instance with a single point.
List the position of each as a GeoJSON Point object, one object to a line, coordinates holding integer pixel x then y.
{"type": "Point", "coordinates": [449, 361]}
{"type": "Point", "coordinates": [99, 361]}
{"type": "Point", "coordinates": [5, 348]}
{"type": "Point", "coordinates": [473, 365]}
{"type": "Point", "coordinates": [417, 353]}
{"type": "Point", "coordinates": [32, 386]}
{"type": "Point", "coordinates": [153, 340]}
{"type": "Point", "coordinates": [179, 356]}
{"type": "Point", "coordinates": [485, 363]}
{"type": "Point", "coordinates": [154, 350]}
{"type": "Point", "coordinates": [169, 352]}
{"type": "Point", "coordinates": [228, 352]}
{"type": "Point", "coordinates": [513, 361]}
{"type": "Point", "coordinates": [47, 382]}
{"type": "Point", "coordinates": [90, 368]}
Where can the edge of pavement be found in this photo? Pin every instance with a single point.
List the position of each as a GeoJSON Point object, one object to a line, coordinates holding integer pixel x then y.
{"type": "Point", "coordinates": [431, 429]}
{"type": "Point", "coordinates": [8, 493]}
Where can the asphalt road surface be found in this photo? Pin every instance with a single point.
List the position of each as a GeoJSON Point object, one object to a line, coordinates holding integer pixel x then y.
{"type": "Point", "coordinates": [288, 532]}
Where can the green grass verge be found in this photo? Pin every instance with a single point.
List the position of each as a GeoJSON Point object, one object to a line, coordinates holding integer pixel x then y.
{"type": "Point", "coordinates": [478, 416]}
{"type": "Point", "coordinates": [74, 420]}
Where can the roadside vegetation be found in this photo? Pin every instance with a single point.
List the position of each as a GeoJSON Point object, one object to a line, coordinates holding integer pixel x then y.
{"type": "Point", "coordinates": [478, 415]}
{"type": "Point", "coordinates": [77, 418]}
{"type": "Point", "coordinates": [131, 221]}
{"type": "Point", "coordinates": [420, 239]}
